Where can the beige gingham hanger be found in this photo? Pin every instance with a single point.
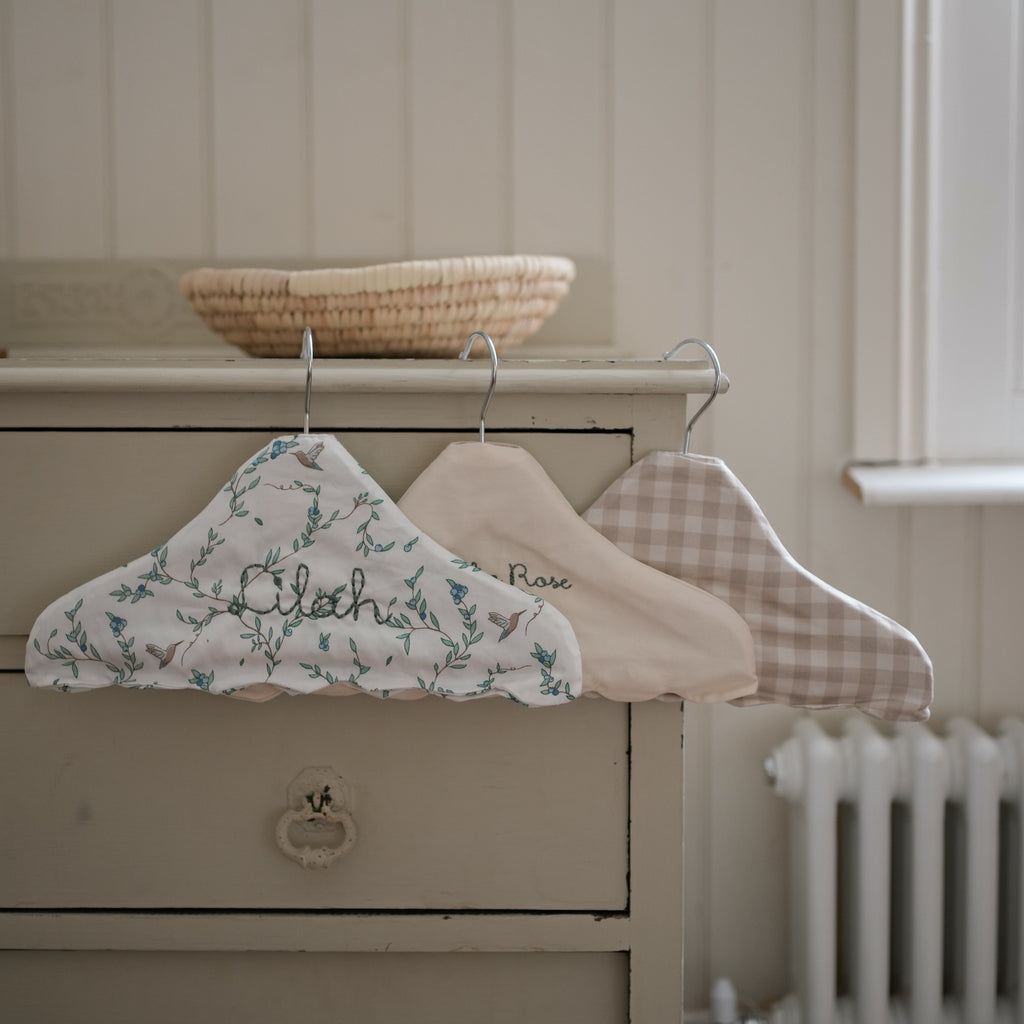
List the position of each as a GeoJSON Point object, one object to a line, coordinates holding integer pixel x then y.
{"type": "Point", "coordinates": [816, 647]}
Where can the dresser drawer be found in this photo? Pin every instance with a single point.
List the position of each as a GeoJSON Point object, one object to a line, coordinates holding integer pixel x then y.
{"type": "Point", "coordinates": [141, 799]}
{"type": "Point", "coordinates": [79, 503]}
{"type": "Point", "coordinates": [144, 799]}
{"type": "Point", "coordinates": [261, 988]}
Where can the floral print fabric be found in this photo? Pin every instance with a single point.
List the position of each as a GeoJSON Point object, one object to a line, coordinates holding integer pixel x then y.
{"type": "Point", "coordinates": [302, 576]}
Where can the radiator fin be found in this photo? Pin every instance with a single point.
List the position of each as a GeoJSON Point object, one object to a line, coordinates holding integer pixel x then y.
{"type": "Point", "coordinates": [906, 873]}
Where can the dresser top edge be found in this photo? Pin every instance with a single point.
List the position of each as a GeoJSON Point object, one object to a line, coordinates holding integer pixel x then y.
{"type": "Point", "coordinates": [408, 376]}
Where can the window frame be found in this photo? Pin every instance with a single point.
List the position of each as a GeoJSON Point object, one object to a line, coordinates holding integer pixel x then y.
{"type": "Point", "coordinates": [906, 367]}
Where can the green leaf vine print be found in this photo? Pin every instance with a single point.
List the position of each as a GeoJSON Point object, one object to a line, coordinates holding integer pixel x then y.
{"type": "Point", "coordinates": [303, 575]}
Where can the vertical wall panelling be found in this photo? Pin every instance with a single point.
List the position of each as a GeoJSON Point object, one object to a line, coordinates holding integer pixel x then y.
{"type": "Point", "coordinates": [358, 117]}
{"type": "Point", "coordinates": [458, 161]}
{"type": "Point", "coordinates": [854, 548]}
{"type": "Point", "coordinates": [661, 200]}
{"type": "Point", "coordinates": [877, 239]}
{"type": "Point", "coordinates": [761, 233]}
{"type": "Point", "coordinates": [560, 128]}
{"type": "Point", "coordinates": [1000, 565]}
{"type": "Point", "coordinates": [158, 173]}
{"type": "Point", "coordinates": [260, 139]}
{"type": "Point", "coordinates": [58, 192]}
{"type": "Point", "coordinates": [944, 601]}
{"type": "Point", "coordinates": [759, 225]}
{"type": "Point", "coordinates": [6, 150]}
{"type": "Point", "coordinates": [659, 149]}
{"type": "Point", "coordinates": [831, 512]}
{"type": "Point", "coordinates": [561, 148]}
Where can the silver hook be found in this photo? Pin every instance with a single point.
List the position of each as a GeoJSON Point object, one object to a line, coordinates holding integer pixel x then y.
{"type": "Point", "coordinates": [307, 354]}
{"type": "Point", "coordinates": [464, 354]}
{"type": "Point", "coordinates": [714, 391]}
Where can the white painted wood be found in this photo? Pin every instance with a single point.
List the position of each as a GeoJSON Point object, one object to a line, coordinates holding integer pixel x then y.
{"type": "Point", "coordinates": [158, 176]}
{"type": "Point", "coordinates": [1000, 568]}
{"type": "Point", "coordinates": [560, 115]}
{"type": "Point", "coordinates": [698, 857]}
{"type": "Point", "coordinates": [837, 540]}
{"type": "Point", "coordinates": [656, 863]}
{"type": "Point", "coordinates": [844, 546]}
{"type": "Point", "coordinates": [660, 147]}
{"type": "Point", "coordinates": [769, 171]}
{"type": "Point", "coordinates": [943, 602]}
{"type": "Point", "coordinates": [458, 158]}
{"type": "Point", "coordinates": [540, 816]}
{"type": "Point", "coordinates": [878, 162]}
{"type": "Point", "coordinates": [656, 800]}
{"type": "Point", "coordinates": [740, 900]}
{"type": "Point", "coordinates": [663, 145]}
{"type": "Point", "coordinates": [560, 153]}
{"type": "Point", "coordinates": [940, 484]}
{"type": "Point", "coordinates": [260, 128]}
{"type": "Point", "coordinates": [976, 403]}
{"type": "Point", "coordinates": [456, 805]}
{"type": "Point", "coordinates": [360, 130]}
{"type": "Point", "coordinates": [6, 131]}
{"type": "Point", "coordinates": [895, 309]}
{"type": "Point", "coordinates": [462, 988]}
{"type": "Point", "coordinates": [60, 132]}
{"type": "Point", "coordinates": [759, 298]}
{"type": "Point", "coordinates": [938, 234]}
{"type": "Point", "coordinates": [408, 376]}
{"type": "Point", "coordinates": [760, 321]}
{"type": "Point", "coordinates": [316, 933]}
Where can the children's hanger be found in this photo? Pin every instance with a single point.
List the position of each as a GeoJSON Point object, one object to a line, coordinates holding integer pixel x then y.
{"type": "Point", "coordinates": [816, 647]}
{"type": "Point", "coordinates": [303, 576]}
{"type": "Point", "coordinates": [642, 633]}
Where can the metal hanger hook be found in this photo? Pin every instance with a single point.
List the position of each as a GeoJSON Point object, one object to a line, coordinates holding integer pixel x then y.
{"type": "Point", "coordinates": [307, 354]}
{"type": "Point", "coordinates": [714, 391]}
{"type": "Point", "coordinates": [464, 354]}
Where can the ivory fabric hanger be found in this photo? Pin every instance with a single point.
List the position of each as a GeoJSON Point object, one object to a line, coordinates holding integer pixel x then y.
{"type": "Point", "coordinates": [642, 634]}
{"type": "Point", "coordinates": [816, 647]}
{"type": "Point", "coordinates": [303, 576]}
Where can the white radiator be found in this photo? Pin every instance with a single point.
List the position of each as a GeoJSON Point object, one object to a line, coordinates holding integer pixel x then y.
{"type": "Point", "coordinates": [906, 881]}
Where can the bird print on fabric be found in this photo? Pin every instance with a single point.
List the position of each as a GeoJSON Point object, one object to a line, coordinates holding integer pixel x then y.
{"type": "Point", "coordinates": [308, 459]}
{"type": "Point", "coordinates": [163, 655]}
{"type": "Point", "coordinates": [507, 623]}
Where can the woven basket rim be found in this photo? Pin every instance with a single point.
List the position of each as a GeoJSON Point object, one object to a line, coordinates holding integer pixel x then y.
{"type": "Point", "coordinates": [380, 277]}
{"type": "Point", "coordinates": [420, 306]}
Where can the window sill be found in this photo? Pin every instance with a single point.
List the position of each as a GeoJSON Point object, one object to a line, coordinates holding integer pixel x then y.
{"type": "Point", "coordinates": [976, 483]}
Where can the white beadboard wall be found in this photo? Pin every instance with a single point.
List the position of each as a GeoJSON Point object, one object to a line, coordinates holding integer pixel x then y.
{"type": "Point", "coordinates": [695, 157]}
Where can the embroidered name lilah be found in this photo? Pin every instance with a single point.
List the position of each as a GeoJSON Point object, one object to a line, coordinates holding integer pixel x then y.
{"type": "Point", "coordinates": [300, 576]}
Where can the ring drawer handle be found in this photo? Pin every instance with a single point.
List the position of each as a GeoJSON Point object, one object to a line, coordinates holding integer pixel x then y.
{"type": "Point", "coordinates": [318, 801]}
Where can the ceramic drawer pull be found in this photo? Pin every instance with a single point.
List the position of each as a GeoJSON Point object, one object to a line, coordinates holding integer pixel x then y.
{"type": "Point", "coordinates": [319, 805]}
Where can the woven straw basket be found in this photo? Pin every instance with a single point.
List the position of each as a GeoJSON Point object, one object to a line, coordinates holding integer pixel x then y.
{"type": "Point", "coordinates": [414, 308]}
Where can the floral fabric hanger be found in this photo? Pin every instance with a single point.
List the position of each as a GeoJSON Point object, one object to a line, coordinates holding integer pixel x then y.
{"type": "Point", "coordinates": [302, 576]}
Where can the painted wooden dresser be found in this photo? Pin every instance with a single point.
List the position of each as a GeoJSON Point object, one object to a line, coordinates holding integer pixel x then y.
{"type": "Point", "coordinates": [512, 864]}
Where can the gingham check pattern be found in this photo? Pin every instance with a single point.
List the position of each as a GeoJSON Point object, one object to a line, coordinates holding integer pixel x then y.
{"type": "Point", "coordinates": [815, 647]}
